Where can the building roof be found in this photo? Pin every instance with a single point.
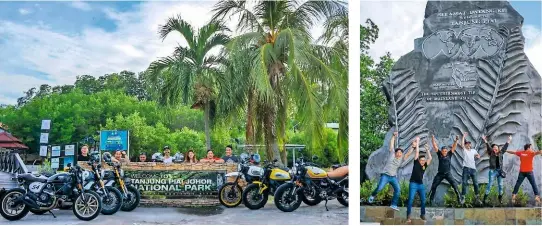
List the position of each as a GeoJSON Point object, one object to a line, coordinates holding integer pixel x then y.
{"type": "Point", "coordinates": [8, 141]}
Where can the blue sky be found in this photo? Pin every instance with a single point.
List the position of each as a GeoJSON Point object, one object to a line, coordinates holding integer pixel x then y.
{"type": "Point", "coordinates": [53, 42]}
{"type": "Point", "coordinates": [397, 32]}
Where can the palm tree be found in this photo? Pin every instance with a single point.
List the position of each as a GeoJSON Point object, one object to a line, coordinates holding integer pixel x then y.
{"type": "Point", "coordinates": [286, 68]}
{"type": "Point", "coordinates": [191, 73]}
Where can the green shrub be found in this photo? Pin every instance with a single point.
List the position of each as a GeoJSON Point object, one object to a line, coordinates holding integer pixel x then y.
{"type": "Point", "coordinates": [366, 188]}
{"type": "Point", "coordinates": [492, 200]}
{"type": "Point", "coordinates": [521, 199]}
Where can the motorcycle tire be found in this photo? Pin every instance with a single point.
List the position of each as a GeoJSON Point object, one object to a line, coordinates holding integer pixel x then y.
{"type": "Point", "coordinates": [341, 196]}
{"type": "Point", "coordinates": [282, 191]}
{"type": "Point", "coordinates": [93, 199]}
{"type": "Point", "coordinates": [135, 197]}
{"type": "Point", "coordinates": [255, 190]}
{"type": "Point", "coordinates": [38, 212]}
{"type": "Point", "coordinates": [236, 200]}
{"type": "Point", "coordinates": [111, 208]}
{"type": "Point", "coordinates": [3, 203]}
{"type": "Point", "coordinates": [310, 200]}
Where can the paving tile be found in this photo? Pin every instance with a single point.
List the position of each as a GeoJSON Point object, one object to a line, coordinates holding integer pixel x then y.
{"type": "Point", "coordinates": [459, 214]}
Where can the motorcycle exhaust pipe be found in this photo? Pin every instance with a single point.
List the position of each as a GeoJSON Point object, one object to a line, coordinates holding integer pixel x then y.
{"type": "Point", "coordinates": [27, 201]}
{"type": "Point", "coordinates": [336, 191]}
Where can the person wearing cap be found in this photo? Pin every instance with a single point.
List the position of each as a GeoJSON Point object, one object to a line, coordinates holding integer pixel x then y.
{"type": "Point", "coordinates": [444, 165]}
{"type": "Point", "coordinates": [229, 158]}
{"type": "Point", "coordinates": [211, 158]}
{"type": "Point", "coordinates": [526, 157]}
{"type": "Point", "coordinates": [395, 159]}
{"type": "Point", "coordinates": [167, 155]}
{"type": "Point", "coordinates": [469, 169]}
{"type": "Point", "coordinates": [142, 157]}
{"type": "Point", "coordinates": [416, 179]}
{"type": "Point", "coordinates": [495, 166]}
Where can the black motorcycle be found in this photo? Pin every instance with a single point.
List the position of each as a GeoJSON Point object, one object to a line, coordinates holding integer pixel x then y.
{"type": "Point", "coordinates": [112, 198]}
{"type": "Point", "coordinates": [115, 178]}
{"type": "Point", "coordinates": [45, 194]}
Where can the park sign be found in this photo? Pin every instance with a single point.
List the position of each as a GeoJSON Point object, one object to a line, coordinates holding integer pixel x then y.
{"type": "Point", "coordinates": [468, 73]}
{"type": "Point", "coordinates": [112, 140]}
{"type": "Point", "coordinates": [174, 184]}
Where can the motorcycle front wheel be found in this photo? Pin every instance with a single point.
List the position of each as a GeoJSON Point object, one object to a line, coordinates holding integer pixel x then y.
{"type": "Point", "coordinates": [252, 197]}
{"type": "Point", "coordinates": [87, 206]}
{"type": "Point", "coordinates": [9, 210]}
{"type": "Point", "coordinates": [230, 195]}
{"type": "Point", "coordinates": [286, 199]}
{"type": "Point", "coordinates": [111, 201]}
{"type": "Point", "coordinates": [132, 201]}
{"type": "Point", "coordinates": [342, 197]}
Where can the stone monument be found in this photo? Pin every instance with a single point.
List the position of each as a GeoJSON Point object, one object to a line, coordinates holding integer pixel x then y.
{"type": "Point", "coordinates": [468, 73]}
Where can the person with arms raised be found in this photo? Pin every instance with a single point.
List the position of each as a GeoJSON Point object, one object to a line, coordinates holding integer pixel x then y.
{"type": "Point", "coordinates": [526, 157]}
{"type": "Point", "coordinates": [389, 175]}
{"type": "Point", "coordinates": [444, 165]}
{"type": "Point", "coordinates": [416, 179]}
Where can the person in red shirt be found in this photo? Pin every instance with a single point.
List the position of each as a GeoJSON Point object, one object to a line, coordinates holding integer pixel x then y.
{"type": "Point", "coordinates": [526, 157]}
{"type": "Point", "coordinates": [211, 158]}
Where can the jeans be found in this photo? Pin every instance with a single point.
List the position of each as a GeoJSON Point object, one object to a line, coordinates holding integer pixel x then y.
{"type": "Point", "coordinates": [385, 179]}
{"type": "Point", "coordinates": [469, 173]}
{"type": "Point", "coordinates": [414, 188]}
{"type": "Point", "coordinates": [494, 173]}
{"type": "Point", "coordinates": [438, 179]}
{"type": "Point", "coordinates": [530, 177]}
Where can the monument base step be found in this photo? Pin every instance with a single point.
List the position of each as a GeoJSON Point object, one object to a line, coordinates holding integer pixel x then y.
{"type": "Point", "coordinates": [453, 216]}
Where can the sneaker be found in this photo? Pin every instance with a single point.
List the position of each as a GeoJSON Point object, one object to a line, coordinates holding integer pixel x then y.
{"type": "Point", "coordinates": [537, 199]}
{"type": "Point", "coordinates": [371, 199]}
{"type": "Point", "coordinates": [513, 200]}
{"type": "Point", "coordinates": [462, 200]}
{"type": "Point", "coordinates": [422, 217]}
{"type": "Point", "coordinates": [394, 207]}
{"type": "Point", "coordinates": [408, 220]}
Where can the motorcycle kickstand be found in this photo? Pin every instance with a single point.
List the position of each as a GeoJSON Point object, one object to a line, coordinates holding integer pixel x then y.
{"type": "Point", "coordinates": [52, 213]}
{"type": "Point", "coordinates": [325, 204]}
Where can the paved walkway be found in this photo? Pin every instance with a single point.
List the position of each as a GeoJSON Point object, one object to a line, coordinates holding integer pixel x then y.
{"type": "Point", "coordinates": [337, 214]}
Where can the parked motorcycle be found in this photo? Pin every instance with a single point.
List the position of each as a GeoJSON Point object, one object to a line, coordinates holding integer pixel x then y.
{"type": "Point", "coordinates": [231, 194]}
{"type": "Point", "coordinates": [115, 178]}
{"type": "Point", "coordinates": [255, 195]}
{"type": "Point", "coordinates": [112, 199]}
{"type": "Point", "coordinates": [45, 194]}
{"type": "Point", "coordinates": [308, 177]}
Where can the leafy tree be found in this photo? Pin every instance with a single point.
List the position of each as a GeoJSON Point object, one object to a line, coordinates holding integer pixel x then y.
{"type": "Point", "coordinates": [374, 106]}
{"type": "Point", "coordinates": [191, 72]}
{"type": "Point", "coordinates": [286, 67]}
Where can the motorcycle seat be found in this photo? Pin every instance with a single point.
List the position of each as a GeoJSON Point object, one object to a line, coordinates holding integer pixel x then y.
{"type": "Point", "coordinates": [30, 177]}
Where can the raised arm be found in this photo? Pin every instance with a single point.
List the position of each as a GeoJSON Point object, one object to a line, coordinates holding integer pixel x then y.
{"type": "Point", "coordinates": [505, 148]}
{"type": "Point", "coordinates": [434, 143]}
{"type": "Point", "coordinates": [429, 156]}
{"type": "Point", "coordinates": [413, 146]}
{"type": "Point", "coordinates": [462, 145]}
{"type": "Point", "coordinates": [454, 145]}
{"type": "Point", "coordinates": [392, 142]}
{"type": "Point", "coordinates": [488, 148]}
{"type": "Point", "coordinates": [417, 148]}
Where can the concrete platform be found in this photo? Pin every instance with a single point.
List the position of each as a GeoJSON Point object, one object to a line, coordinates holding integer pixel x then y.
{"type": "Point", "coordinates": [454, 216]}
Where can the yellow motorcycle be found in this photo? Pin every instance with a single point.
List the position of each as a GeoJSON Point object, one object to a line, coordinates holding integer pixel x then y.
{"type": "Point", "coordinates": [308, 177]}
{"type": "Point", "coordinates": [255, 195]}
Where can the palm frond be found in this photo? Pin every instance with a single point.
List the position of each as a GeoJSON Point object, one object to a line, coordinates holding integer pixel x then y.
{"type": "Point", "coordinates": [228, 8]}
{"type": "Point", "coordinates": [179, 25]}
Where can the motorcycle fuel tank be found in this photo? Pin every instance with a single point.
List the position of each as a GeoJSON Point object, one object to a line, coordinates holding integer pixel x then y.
{"type": "Point", "coordinates": [315, 172]}
{"type": "Point", "coordinates": [59, 178]}
{"type": "Point", "coordinates": [279, 175]}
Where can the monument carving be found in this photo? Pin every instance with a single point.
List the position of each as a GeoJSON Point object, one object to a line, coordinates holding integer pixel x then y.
{"type": "Point", "coordinates": [468, 73]}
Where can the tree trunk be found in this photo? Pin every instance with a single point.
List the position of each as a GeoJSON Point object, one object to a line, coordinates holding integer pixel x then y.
{"type": "Point", "coordinates": [270, 131]}
{"type": "Point", "coordinates": [249, 130]}
{"type": "Point", "coordinates": [207, 119]}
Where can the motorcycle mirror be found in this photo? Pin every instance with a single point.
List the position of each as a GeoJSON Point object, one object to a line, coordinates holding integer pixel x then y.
{"type": "Point", "coordinates": [69, 164]}
{"type": "Point", "coordinates": [276, 160]}
{"type": "Point", "coordinates": [314, 158]}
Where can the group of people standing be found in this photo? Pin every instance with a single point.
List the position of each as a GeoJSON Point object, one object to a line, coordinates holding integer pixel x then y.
{"type": "Point", "coordinates": [444, 154]}
{"type": "Point", "coordinates": [189, 157]}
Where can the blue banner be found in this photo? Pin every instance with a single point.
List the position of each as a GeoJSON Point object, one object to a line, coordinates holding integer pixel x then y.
{"type": "Point", "coordinates": [111, 140]}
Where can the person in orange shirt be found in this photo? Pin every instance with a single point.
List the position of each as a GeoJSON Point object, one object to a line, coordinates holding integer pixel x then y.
{"type": "Point", "coordinates": [526, 157]}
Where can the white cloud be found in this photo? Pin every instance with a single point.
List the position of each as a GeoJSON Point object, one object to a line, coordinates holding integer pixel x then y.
{"type": "Point", "coordinates": [23, 11]}
{"type": "Point", "coordinates": [94, 51]}
{"type": "Point", "coordinates": [81, 5]}
{"type": "Point", "coordinates": [400, 22]}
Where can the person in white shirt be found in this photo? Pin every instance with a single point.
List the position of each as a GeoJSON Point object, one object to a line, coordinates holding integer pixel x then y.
{"type": "Point", "coordinates": [469, 169]}
{"type": "Point", "coordinates": [167, 155]}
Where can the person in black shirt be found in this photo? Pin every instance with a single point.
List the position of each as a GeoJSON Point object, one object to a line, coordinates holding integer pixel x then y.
{"type": "Point", "coordinates": [495, 165]}
{"type": "Point", "coordinates": [229, 157]}
{"type": "Point", "coordinates": [444, 163]}
{"type": "Point", "coordinates": [84, 154]}
{"type": "Point", "coordinates": [416, 180]}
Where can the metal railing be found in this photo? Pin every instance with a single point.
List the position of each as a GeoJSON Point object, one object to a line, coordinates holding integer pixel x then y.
{"type": "Point", "coordinates": [12, 163]}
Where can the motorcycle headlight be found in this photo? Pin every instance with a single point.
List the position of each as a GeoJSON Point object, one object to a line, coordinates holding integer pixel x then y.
{"type": "Point", "coordinates": [127, 180]}
{"type": "Point", "coordinates": [121, 172]}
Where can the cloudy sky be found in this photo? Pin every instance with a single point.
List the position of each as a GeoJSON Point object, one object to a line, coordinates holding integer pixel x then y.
{"type": "Point", "coordinates": [53, 42]}
{"type": "Point", "coordinates": [400, 22]}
